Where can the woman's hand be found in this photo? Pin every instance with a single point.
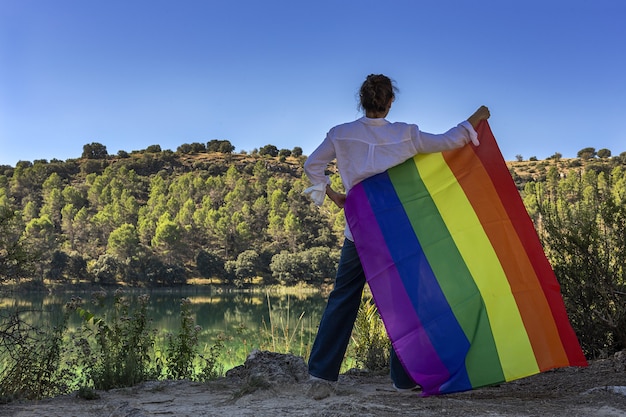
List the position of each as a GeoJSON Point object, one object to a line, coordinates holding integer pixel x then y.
{"type": "Point", "coordinates": [338, 198]}
{"type": "Point", "coordinates": [481, 114]}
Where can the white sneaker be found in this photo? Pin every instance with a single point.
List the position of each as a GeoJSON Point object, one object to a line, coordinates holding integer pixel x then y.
{"type": "Point", "coordinates": [320, 388]}
{"type": "Point", "coordinates": [415, 388]}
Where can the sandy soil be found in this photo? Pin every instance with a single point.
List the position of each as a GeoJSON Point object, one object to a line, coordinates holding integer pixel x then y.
{"type": "Point", "coordinates": [271, 384]}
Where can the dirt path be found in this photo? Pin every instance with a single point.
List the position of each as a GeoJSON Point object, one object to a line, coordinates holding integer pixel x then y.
{"type": "Point", "coordinates": [273, 385]}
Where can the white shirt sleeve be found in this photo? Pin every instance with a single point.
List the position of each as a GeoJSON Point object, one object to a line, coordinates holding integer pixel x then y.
{"type": "Point", "coordinates": [317, 193]}
{"type": "Point", "coordinates": [315, 167]}
{"type": "Point", "coordinates": [458, 136]}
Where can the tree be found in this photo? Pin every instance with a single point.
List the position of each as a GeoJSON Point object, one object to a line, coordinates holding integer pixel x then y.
{"type": "Point", "coordinates": [604, 153]}
{"type": "Point", "coordinates": [39, 233]}
{"type": "Point", "coordinates": [77, 267]}
{"type": "Point", "coordinates": [15, 261]}
{"type": "Point", "coordinates": [58, 265]}
{"type": "Point", "coordinates": [53, 198]}
{"type": "Point", "coordinates": [244, 268]}
{"type": "Point", "coordinates": [287, 268]}
{"type": "Point", "coordinates": [153, 149]}
{"type": "Point", "coordinates": [587, 153]}
{"type": "Point", "coordinates": [106, 270]}
{"type": "Point", "coordinates": [222, 146]}
{"type": "Point", "coordinates": [209, 264]}
{"type": "Point", "coordinates": [296, 152]}
{"type": "Point", "coordinates": [94, 150]}
{"type": "Point", "coordinates": [167, 239]}
{"type": "Point", "coordinates": [123, 243]}
{"type": "Point", "coordinates": [187, 148]}
{"type": "Point", "coordinates": [270, 150]}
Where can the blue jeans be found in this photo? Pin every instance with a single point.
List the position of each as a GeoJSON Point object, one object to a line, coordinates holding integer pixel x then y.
{"type": "Point", "coordinates": [338, 319]}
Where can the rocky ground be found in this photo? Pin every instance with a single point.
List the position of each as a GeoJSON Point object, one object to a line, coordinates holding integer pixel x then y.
{"type": "Point", "coordinates": [271, 384]}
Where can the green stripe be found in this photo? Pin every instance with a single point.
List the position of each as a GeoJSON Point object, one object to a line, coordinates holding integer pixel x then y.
{"type": "Point", "coordinates": [482, 362]}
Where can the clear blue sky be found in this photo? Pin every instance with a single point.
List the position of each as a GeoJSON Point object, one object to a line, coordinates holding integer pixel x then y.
{"type": "Point", "coordinates": [134, 73]}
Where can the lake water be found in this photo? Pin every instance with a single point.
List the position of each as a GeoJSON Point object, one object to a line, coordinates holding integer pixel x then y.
{"type": "Point", "coordinates": [280, 323]}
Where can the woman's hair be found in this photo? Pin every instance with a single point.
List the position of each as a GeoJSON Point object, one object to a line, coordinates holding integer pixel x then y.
{"type": "Point", "coordinates": [375, 93]}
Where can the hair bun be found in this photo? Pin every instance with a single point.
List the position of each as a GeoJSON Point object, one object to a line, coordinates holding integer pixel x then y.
{"type": "Point", "coordinates": [375, 93]}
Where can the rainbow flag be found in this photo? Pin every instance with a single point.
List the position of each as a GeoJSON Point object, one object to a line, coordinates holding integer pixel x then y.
{"type": "Point", "coordinates": [458, 272]}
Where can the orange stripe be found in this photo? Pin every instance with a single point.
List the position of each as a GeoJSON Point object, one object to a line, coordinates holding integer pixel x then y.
{"type": "Point", "coordinates": [529, 296]}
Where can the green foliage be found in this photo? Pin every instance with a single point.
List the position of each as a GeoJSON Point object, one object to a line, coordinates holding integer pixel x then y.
{"type": "Point", "coordinates": [582, 223]}
{"type": "Point", "coordinates": [32, 367]}
{"type": "Point", "coordinates": [15, 260]}
{"type": "Point", "coordinates": [587, 153]}
{"type": "Point", "coordinates": [95, 150]}
{"type": "Point", "coordinates": [209, 264]}
{"type": "Point", "coordinates": [103, 353]}
{"type": "Point", "coordinates": [186, 148]}
{"type": "Point", "coordinates": [223, 146]}
{"type": "Point", "coordinates": [117, 350]}
{"type": "Point", "coordinates": [123, 243]}
{"type": "Point", "coordinates": [311, 265]}
{"type": "Point", "coordinates": [269, 150]}
{"type": "Point", "coordinates": [244, 268]}
{"type": "Point", "coordinates": [106, 270]}
{"type": "Point", "coordinates": [283, 334]}
{"type": "Point", "coordinates": [182, 351]}
{"type": "Point", "coordinates": [153, 149]}
{"type": "Point", "coordinates": [369, 337]}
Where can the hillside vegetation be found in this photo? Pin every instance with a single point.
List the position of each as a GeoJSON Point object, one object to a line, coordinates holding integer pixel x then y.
{"type": "Point", "coordinates": [162, 218]}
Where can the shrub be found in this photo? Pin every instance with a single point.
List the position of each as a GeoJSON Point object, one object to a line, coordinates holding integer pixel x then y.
{"type": "Point", "coordinates": [182, 350]}
{"type": "Point", "coordinates": [32, 360]}
{"type": "Point", "coordinates": [584, 231]}
{"type": "Point", "coordinates": [371, 344]}
{"type": "Point", "coordinates": [117, 350]}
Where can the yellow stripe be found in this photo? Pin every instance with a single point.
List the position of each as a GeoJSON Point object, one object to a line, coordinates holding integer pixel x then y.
{"type": "Point", "coordinates": [514, 348]}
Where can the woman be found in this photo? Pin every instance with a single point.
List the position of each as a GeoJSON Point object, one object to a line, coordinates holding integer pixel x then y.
{"type": "Point", "coordinates": [362, 148]}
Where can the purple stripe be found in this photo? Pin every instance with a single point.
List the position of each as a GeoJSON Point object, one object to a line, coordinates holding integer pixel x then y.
{"type": "Point", "coordinates": [403, 325]}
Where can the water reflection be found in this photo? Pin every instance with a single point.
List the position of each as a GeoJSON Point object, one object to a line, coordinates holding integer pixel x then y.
{"type": "Point", "coordinates": [275, 322]}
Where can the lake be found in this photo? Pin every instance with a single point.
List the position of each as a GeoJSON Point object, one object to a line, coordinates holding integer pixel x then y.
{"type": "Point", "coordinates": [268, 321]}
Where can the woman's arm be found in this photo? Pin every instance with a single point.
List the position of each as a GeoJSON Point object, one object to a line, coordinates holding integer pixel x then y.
{"type": "Point", "coordinates": [338, 198]}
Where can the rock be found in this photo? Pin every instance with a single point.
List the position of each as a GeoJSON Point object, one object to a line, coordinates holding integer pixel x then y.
{"type": "Point", "coordinates": [263, 368]}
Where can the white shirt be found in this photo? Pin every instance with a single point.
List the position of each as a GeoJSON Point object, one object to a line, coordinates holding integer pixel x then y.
{"type": "Point", "coordinates": [368, 147]}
